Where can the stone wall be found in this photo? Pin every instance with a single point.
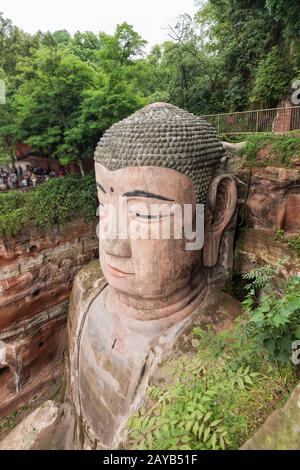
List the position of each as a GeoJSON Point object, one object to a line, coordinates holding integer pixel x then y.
{"type": "Point", "coordinates": [272, 204]}
{"type": "Point", "coordinates": [37, 268]}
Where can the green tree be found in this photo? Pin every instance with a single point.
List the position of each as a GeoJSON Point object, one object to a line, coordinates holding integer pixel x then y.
{"type": "Point", "coordinates": [121, 48]}
{"type": "Point", "coordinates": [85, 46]}
{"type": "Point", "coordinates": [14, 45]}
{"type": "Point", "coordinates": [179, 69]}
{"type": "Point", "coordinates": [272, 80]}
{"type": "Point", "coordinates": [67, 97]}
{"type": "Point", "coordinates": [47, 102]}
{"type": "Point", "coordinates": [286, 12]}
{"type": "Point", "coordinates": [241, 34]}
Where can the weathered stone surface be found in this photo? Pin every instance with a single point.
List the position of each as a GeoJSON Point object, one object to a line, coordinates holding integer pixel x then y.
{"type": "Point", "coordinates": [273, 201]}
{"type": "Point", "coordinates": [36, 273]}
{"type": "Point", "coordinates": [281, 431]}
{"type": "Point", "coordinates": [158, 287]}
{"type": "Point", "coordinates": [37, 268]}
{"type": "Point", "coordinates": [217, 312]}
{"type": "Point", "coordinates": [26, 435]}
{"type": "Point", "coordinates": [259, 247]}
{"type": "Point", "coordinates": [284, 120]}
{"type": "Point", "coordinates": [34, 358]}
{"type": "Point", "coordinates": [163, 135]}
{"type": "Point", "coordinates": [123, 366]}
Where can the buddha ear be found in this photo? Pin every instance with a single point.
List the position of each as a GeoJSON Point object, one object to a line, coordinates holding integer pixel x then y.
{"type": "Point", "coordinates": [221, 206]}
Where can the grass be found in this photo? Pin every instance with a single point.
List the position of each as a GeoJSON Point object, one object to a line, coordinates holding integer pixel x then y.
{"type": "Point", "coordinates": [293, 242]}
{"type": "Point", "coordinates": [266, 149]}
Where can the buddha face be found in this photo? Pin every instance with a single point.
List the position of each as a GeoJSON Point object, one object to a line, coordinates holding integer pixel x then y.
{"type": "Point", "coordinates": [152, 267]}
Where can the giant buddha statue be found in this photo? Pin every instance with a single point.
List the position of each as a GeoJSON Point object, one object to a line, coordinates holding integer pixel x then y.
{"type": "Point", "coordinates": [128, 312]}
{"type": "Point", "coordinates": [152, 287]}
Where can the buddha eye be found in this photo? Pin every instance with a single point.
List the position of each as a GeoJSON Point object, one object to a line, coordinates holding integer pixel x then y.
{"type": "Point", "coordinates": [146, 216]}
{"type": "Point", "coordinates": [146, 213]}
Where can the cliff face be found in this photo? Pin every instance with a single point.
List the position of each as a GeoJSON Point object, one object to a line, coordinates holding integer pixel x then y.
{"type": "Point", "coordinates": [272, 204]}
{"type": "Point", "coordinates": [37, 268]}
{"type": "Point", "coordinates": [36, 272]}
{"type": "Point", "coordinates": [274, 198]}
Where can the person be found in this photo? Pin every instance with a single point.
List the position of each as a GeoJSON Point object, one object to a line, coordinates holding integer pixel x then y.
{"type": "Point", "coordinates": [34, 180]}
{"type": "Point", "coordinates": [3, 185]}
{"type": "Point", "coordinates": [20, 172]}
{"type": "Point", "coordinates": [24, 182]}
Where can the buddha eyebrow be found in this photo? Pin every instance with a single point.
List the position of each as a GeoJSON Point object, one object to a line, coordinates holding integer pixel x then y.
{"type": "Point", "coordinates": [146, 194]}
{"type": "Point", "coordinates": [101, 188]}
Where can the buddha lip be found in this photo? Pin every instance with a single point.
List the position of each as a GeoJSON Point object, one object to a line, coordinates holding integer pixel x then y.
{"type": "Point", "coordinates": [117, 272]}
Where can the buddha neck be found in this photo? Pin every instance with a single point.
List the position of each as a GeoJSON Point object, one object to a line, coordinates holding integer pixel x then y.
{"type": "Point", "coordinates": [180, 304]}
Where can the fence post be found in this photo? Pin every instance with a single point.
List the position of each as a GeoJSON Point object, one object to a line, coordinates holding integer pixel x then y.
{"type": "Point", "coordinates": [256, 121]}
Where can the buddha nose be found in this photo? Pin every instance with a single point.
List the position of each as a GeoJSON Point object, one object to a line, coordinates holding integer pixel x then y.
{"type": "Point", "coordinates": [116, 247]}
{"type": "Point", "coordinates": [115, 241]}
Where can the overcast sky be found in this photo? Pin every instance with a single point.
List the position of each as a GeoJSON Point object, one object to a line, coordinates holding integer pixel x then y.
{"type": "Point", "coordinates": [149, 17]}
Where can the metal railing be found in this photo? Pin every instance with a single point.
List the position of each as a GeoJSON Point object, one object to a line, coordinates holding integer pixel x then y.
{"type": "Point", "coordinates": [277, 120]}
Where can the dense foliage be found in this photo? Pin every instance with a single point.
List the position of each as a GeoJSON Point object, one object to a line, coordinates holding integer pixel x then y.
{"type": "Point", "coordinates": [257, 44]}
{"type": "Point", "coordinates": [64, 91]}
{"type": "Point", "coordinates": [273, 314]}
{"type": "Point", "coordinates": [219, 396]}
{"type": "Point", "coordinates": [53, 202]}
{"type": "Point", "coordinates": [214, 399]}
{"type": "Point", "coordinates": [271, 150]}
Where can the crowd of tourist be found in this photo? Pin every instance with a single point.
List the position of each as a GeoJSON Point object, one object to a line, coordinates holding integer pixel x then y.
{"type": "Point", "coordinates": [18, 177]}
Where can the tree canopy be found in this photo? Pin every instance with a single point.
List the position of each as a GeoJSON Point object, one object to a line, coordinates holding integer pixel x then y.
{"type": "Point", "coordinates": [64, 91]}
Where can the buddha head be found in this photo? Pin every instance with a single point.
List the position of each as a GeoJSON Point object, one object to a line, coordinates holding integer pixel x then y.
{"type": "Point", "coordinates": [161, 161]}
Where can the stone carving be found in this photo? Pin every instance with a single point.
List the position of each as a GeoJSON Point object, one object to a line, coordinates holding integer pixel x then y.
{"type": "Point", "coordinates": [127, 316]}
{"type": "Point", "coordinates": [163, 135]}
{"type": "Point", "coordinates": [152, 289]}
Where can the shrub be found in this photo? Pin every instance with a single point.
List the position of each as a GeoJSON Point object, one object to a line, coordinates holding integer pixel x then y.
{"type": "Point", "coordinates": [53, 202]}
{"type": "Point", "coordinates": [10, 201]}
{"type": "Point", "coordinates": [213, 400]}
{"type": "Point", "coordinates": [281, 149]}
{"type": "Point", "coordinates": [190, 415]}
{"type": "Point", "coordinates": [274, 319]}
{"type": "Point", "coordinates": [253, 146]}
{"type": "Point", "coordinates": [12, 222]}
{"type": "Point", "coordinates": [294, 244]}
{"type": "Point", "coordinates": [272, 79]}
